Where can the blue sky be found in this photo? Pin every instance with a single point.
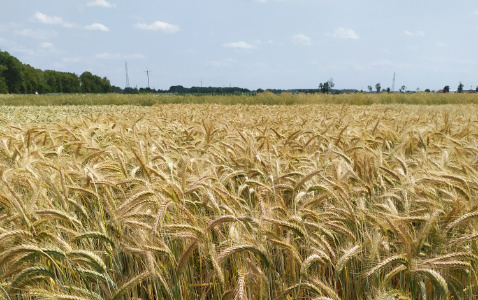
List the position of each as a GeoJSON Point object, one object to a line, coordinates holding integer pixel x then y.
{"type": "Point", "coordinates": [254, 44]}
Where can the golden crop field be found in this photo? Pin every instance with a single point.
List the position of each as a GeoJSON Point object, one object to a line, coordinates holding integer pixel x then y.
{"type": "Point", "coordinates": [208, 201]}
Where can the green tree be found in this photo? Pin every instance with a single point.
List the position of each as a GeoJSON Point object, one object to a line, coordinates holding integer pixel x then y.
{"type": "Point", "coordinates": [14, 76]}
{"type": "Point", "coordinates": [87, 83]}
{"type": "Point", "coordinates": [378, 87]}
{"type": "Point", "coordinates": [70, 82]}
{"type": "Point", "coordinates": [446, 89]}
{"type": "Point", "coordinates": [42, 86]}
{"type": "Point", "coordinates": [105, 85]}
{"type": "Point", "coordinates": [91, 83]}
{"type": "Point", "coordinates": [460, 88]}
{"type": "Point", "coordinates": [178, 89]}
{"type": "Point", "coordinates": [52, 81]}
{"type": "Point", "coordinates": [130, 90]}
{"type": "Point", "coordinates": [3, 84]}
{"type": "Point", "coordinates": [34, 80]}
{"type": "Point", "coordinates": [116, 89]}
{"type": "Point", "coordinates": [327, 86]}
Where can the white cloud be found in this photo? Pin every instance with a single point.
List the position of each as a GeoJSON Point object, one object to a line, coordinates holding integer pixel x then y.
{"type": "Point", "coordinates": [239, 45]}
{"type": "Point", "coordinates": [36, 33]}
{"type": "Point", "coordinates": [302, 39]}
{"type": "Point", "coordinates": [158, 26]}
{"type": "Point", "coordinates": [97, 26]}
{"type": "Point", "coordinates": [414, 33]}
{"type": "Point", "coordinates": [441, 44]}
{"type": "Point", "coordinates": [102, 3]}
{"type": "Point", "coordinates": [51, 20]}
{"type": "Point", "coordinates": [47, 19]}
{"type": "Point", "coordinates": [344, 33]}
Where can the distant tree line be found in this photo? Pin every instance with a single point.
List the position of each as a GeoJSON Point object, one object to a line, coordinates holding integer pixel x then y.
{"type": "Point", "coordinates": [179, 89]}
{"type": "Point", "coordinates": [19, 78]}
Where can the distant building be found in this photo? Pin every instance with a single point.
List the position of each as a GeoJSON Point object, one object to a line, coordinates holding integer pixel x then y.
{"type": "Point", "coordinates": [451, 91]}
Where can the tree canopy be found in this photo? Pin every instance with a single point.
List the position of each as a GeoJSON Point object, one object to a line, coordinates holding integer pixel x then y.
{"type": "Point", "coordinates": [19, 78]}
{"type": "Point", "coordinates": [327, 86]}
{"type": "Point", "coordinates": [460, 88]}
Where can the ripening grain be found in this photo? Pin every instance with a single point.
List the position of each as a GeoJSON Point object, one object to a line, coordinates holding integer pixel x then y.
{"type": "Point", "coordinates": [249, 202]}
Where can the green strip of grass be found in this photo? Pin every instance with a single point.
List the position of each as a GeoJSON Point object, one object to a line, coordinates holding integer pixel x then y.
{"type": "Point", "coordinates": [262, 98]}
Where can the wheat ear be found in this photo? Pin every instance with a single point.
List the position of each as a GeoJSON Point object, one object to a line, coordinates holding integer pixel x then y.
{"type": "Point", "coordinates": [131, 283]}
{"type": "Point", "coordinates": [402, 259]}
{"type": "Point", "coordinates": [437, 280]}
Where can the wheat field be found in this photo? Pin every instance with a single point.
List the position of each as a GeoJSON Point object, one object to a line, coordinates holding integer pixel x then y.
{"type": "Point", "coordinates": [186, 201]}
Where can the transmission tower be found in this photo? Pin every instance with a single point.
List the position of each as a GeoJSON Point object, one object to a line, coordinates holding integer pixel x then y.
{"type": "Point", "coordinates": [393, 82]}
{"type": "Point", "coordinates": [126, 70]}
{"type": "Point", "coordinates": [147, 74]}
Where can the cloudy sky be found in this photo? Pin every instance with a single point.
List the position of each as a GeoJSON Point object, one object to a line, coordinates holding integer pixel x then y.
{"type": "Point", "coordinates": [254, 44]}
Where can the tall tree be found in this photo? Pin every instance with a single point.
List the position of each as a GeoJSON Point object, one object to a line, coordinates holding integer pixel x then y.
{"type": "Point", "coordinates": [378, 87]}
{"type": "Point", "coordinates": [460, 88]}
{"type": "Point", "coordinates": [91, 83]}
{"type": "Point", "coordinates": [327, 86]}
{"type": "Point", "coordinates": [14, 76]}
{"type": "Point", "coordinates": [446, 89]}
